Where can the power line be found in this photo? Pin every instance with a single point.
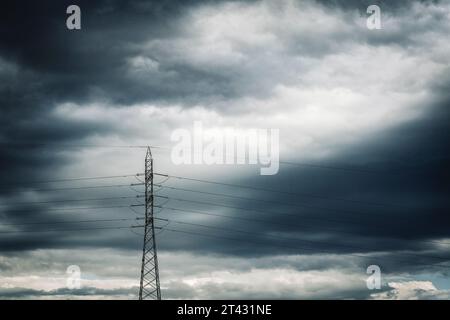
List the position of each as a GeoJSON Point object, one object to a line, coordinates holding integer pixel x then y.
{"type": "Point", "coordinates": [260, 200]}
{"type": "Point", "coordinates": [79, 188]}
{"type": "Point", "coordinates": [68, 200]}
{"type": "Point", "coordinates": [253, 210]}
{"type": "Point", "coordinates": [69, 209]}
{"type": "Point", "coordinates": [68, 222]}
{"type": "Point", "coordinates": [177, 199]}
{"type": "Point", "coordinates": [320, 166]}
{"type": "Point", "coordinates": [69, 230]}
{"type": "Point", "coordinates": [310, 195]}
{"type": "Point", "coordinates": [284, 213]}
{"type": "Point", "coordinates": [65, 145]}
{"type": "Point", "coordinates": [284, 224]}
{"type": "Point", "coordinates": [203, 213]}
{"type": "Point", "coordinates": [339, 220]}
{"type": "Point", "coordinates": [120, 219]}
{"type": "Point", "coordinates": [301, 240]}
{"type": "Point", "coordinates": [149, 260]}
{"type": "Point", "coordinates": [196, 233]}
{"type": "Point", "coordinates": [75, 179]}
{"type": "Point", "coordinates": [315, 250]}
{"type": "Point", "coordinates": [216, 194]}
{"type": "Point", "coordinates": [192, 211]}
{"type": "Point", "coordinates": [311, 165]}
{"type": "Point", "coordinates": [291, 163]}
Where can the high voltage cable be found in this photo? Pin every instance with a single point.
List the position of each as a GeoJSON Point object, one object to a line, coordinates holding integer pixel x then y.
{"type": "Point", "coordinates": [284, 224]}
{"type": "Point", "coordinates": [68, 200]}
{"type": "Point", "coordinates": [217, 215]}
{"type": "Point", "coordinates": [79, 188]}
{"type": "Point", "coordinates": [275, 191]}
{"type": "Point", "coordinates": [279, 213]}
{"type": "Point", "coordinates": [71, 229]}
{"type": "Point", "coordinates": [65, 145]}
{"type": "Point", "coordinates": [213, 227]}
{"type": "Point", "coordinates": [241, 218]}
{"type": "Point", "coordinates": [76, 221]}
{"type": "Point", "coordinates": [282, 203]}
{"type": "Point", "coordinates": [173, 199]}
{"type": "Point", "coordinates": [276, 202]}
{"type": "Point", "coordinates": [68, 222]}
{"type": "Point", "coordinates": [291, 163]}
{"type": "Point", "coordinates": [219, 228]}
{"type": "Point", "coordinates": [225, 229]}
{"type": "Point", "coordinates": [210, 193]}
{"type": "Point", "coordinates": [203, 213]}
{"type": "Point", "coordinates": [315, 250]}
{"type": "Point", "coordinates": [302, 240]}
{"type": "Point", "coordinates": [304, 164]}
{"type": "Point", "coordinates": [263, 235]}
{"type": "Point", "coordinates": [213, 182]}
{"type": "Point", "coordinates": [69, 209]}
{"type": "Point", "coordinates": [72, 221]}
{"type": "Point", "coordinates": [254, 210]}
{"type": "Point", "coordinates": [260, 200]}
{"type": "Point", "coordinates": [75, 179]}
{"type": "Point", "coordinates": [204, 181]}
{"type": "Point", "coordinates": [319, 166]}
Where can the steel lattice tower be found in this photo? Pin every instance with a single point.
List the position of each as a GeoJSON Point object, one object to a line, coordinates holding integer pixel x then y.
{"type": "Point", "coordinates": [149, 287]}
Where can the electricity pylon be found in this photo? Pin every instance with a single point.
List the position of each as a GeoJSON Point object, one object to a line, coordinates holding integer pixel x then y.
{"type": "Point", "coordinates": [149, 288]}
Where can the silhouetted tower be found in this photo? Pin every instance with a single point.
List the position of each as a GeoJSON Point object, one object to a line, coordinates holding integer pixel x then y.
{"type": "Point", "coordinates": [149, 288]}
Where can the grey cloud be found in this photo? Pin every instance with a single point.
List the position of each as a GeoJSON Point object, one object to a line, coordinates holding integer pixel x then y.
{"type": "Point", "coordinates": [46, 66]}
{"type": "Point", "coordinates": [64, 293]}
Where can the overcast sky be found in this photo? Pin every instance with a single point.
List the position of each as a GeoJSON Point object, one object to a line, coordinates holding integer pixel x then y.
{"type": "Point", "coordinates": [363, 113]}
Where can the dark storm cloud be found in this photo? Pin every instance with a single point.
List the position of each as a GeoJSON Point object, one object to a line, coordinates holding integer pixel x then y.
{"type": "Point", "coordinates": [79, 66]}
{"type": "Point", "coordinates": [91, 64]}
{"type": "Point", "coordinates": [42, 64]}
{"type": "Point", "coordinates": [60, 65]}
